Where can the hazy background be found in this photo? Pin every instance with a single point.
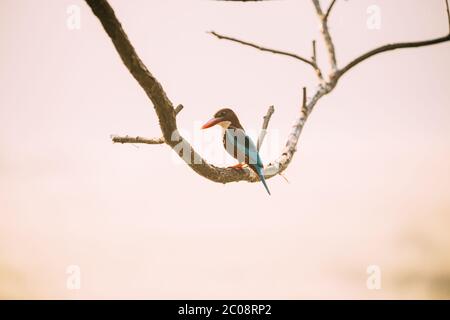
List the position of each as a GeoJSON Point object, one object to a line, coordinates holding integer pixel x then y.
{"type": "Point", "coordinates": [370, 184]}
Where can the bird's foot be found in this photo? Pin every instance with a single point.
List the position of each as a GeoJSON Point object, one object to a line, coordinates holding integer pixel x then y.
{"type": "Point", "coordinates": [238, 166]}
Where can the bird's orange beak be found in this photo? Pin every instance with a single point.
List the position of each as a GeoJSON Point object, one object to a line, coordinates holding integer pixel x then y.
{"type": "Point", "coordinates": [211, 123]}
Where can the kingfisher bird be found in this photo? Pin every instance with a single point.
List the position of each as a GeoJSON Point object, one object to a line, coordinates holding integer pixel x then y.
{"type": "Point", "coordinates": [237, 143]}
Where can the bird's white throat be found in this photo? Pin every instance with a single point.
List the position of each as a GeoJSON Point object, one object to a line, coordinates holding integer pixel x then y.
{"type": "Point", "coordinates": [224, 124]}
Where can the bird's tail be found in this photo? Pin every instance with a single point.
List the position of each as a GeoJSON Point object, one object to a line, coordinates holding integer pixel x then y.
{"type": "Point", "coordinates": [264, 183]}
{"type": "Point", "coordinates": [263, 180]}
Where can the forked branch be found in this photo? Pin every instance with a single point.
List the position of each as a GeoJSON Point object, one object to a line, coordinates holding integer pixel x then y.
{"type": "Point", "coordinates": [326, 33]}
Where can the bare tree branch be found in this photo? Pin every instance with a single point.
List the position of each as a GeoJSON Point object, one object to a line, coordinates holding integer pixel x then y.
{"type": "Point", "coordinates": [390, 47]}
{"type": "Point", "coordinates": [127, 139]}
{"type": "Point", "coordinates": [263, 132]}
{"type": "Point", "coordinates": [133, 140]}
{"type": "Point", "coordinates": [167, 114]}
{"type": "Point", "coordinates": [326, 34]}
{"type": "Point", "coordinates": [284, 53]}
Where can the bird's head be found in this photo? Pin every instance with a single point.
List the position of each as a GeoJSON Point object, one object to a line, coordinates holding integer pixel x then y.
{"type": "Point", "coordinates": [224, 117]}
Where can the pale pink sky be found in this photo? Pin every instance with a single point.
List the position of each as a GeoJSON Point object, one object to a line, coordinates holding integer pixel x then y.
{"type": "Point", "coordinates": [370, 183]}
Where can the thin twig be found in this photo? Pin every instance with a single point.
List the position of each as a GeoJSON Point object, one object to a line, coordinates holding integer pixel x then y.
{"type": "Point", "coordinates": [314, 60]}
{"type": "Point", "coordinates": [329, 9]}
{"type": "Point", "coordinates": [127, 139]}
{"type": "Point", "coordinates": [390, 47]}
{"type": "Point", "coordinates": [394, 46]}
{"type": "Point", "coordinates": [246, 43]}
{"type": "Point", "coordinates": [448, 15]}
{"type": "Point", "coordinates": [304, 105]}
{"type": "Point", "coordinates": [263, 132]}
{"type": "Point", "coordinates": [314, 55]}
{"type": "Point", "coordinates": [274, 51]}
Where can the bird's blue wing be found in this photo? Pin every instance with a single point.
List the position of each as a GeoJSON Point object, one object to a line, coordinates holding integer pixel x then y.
{"type": "Point", "coordinates": [241, 146]}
